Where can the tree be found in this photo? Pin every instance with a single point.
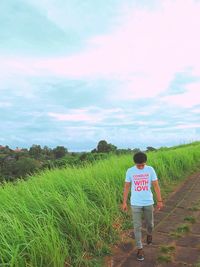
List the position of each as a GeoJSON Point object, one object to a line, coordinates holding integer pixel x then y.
{"type": "Point", "coordinates": [104, 147]}
{"type": "Point", "coordinates": [83, 156]}
{"type": "Point", "coordinates": [150, 148]}
{"type": "Point", "coordinates": [123, 151]}
{"type": "Point", "coordinates": [35, 151]}
{"type": "Point", "coordinates": [94, 150]}
{"type": "Point", "coordinates": [26, 166]}
{"type": "Point", "coordinates": [5, 149]}
{"type": "Point", "coordinates": [59, 152]}
{"type": "Point", "coordinates": [12, 168]}
{"type": "Point", "coordinates": [48, 152]}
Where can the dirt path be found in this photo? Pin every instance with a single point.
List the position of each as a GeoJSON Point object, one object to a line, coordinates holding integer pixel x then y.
{"type": "Point", "coordinates": [176, 237]}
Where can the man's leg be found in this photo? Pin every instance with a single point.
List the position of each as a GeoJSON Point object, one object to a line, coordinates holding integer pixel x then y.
{"type": "Point", "coordinates": [137, 224]}
{"type": "Point", "coordinates": [149, 218]}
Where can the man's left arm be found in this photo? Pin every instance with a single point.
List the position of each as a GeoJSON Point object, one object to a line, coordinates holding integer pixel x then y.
{"type": "Point", "coordinates": [158, 194]}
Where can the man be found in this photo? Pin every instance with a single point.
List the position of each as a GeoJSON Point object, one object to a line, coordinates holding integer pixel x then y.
{"type": "Point", "coordinates": [141, 176]}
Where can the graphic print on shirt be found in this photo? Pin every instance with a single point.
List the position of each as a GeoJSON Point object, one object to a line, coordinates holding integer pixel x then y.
{"type": "Point", "coordinates": [141, 182]}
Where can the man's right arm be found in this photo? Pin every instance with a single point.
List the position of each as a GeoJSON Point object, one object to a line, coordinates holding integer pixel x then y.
{"type": "Point", "coordinates": [126, 191]}
{"type": "Point", "coordinates": [125, 195]}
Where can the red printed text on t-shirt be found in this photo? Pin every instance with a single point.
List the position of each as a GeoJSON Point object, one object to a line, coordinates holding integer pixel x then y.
{"type": "Point", "coordinates": [141, 182]}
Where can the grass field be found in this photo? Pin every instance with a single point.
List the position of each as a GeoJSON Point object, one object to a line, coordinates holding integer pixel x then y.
{"type": "Point", "coordinates": [65, 217]}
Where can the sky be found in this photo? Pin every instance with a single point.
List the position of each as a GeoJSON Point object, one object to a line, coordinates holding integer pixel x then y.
{"type": "Point", "coordinates": [75, 72]}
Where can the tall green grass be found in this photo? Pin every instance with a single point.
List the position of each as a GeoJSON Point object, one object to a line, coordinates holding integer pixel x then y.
{"type": "Point", "coordinates": [65, 217]}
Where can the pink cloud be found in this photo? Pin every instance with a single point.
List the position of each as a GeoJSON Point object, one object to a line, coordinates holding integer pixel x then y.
{"type": "Point", "coordinates": [185, 126]}
{"type": "Point", "coordinates": [72, 117]}
{"type": "Point", "coordinates": [143, 54]}
{"type": "Point", "coordinates": [88, 115]}
{"type": "Point", "coordinates": [187, 99]}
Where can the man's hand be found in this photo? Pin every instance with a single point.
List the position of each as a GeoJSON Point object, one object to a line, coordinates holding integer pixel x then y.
{"type": "Point", "coordinates": [159, 205]}
{"type": "Point", "coordinates": [124, 207]}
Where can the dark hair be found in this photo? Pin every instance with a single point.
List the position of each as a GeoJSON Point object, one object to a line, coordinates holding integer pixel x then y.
{"type": "Point", "coordinates": [139, 157]}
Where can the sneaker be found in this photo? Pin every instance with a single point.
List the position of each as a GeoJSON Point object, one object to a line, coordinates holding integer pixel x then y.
{"type": "Point", "coordinates": [140, 254]}
{"type": "Point", "coordinates": [149, 239]}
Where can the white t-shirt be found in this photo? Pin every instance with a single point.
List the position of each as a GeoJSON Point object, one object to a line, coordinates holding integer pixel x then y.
{"type": "Point", "coordinates": [141, 194]}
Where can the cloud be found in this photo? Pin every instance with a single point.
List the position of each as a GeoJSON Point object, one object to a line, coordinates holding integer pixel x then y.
{"type": "Point", "coordinates": [138, 80]}
{"type": "Point", "coordinates": [143, 54]}
{"type": "Point", "coordinates": [79, 115]}
{"type": "Point", "coordinates": [89, 115]}
{"type": "Point", "coordinates": [104, 118]}
{"type": "Point", "coordinates": [64, 14]}
{"type": "Point", "coordinates": [188, 99]}
{"type": "Point", "coordinates": [5, 104]}
{"type": "Point", "coordinates": [196, 110]}
{"type": "Point", "coordinates": [24, 31]}
{"type": "Point", "coordinates": [185, 126]}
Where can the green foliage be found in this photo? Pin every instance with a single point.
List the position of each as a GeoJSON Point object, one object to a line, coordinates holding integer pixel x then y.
{"type": "Point", "coordinates": [12, 169]}
{"type": "Point", "coordinates": [47, 158]}
{"type": "Point", "coordinates": [164, 258]}
{"type": "Point", "coordinates": [180, 230]}
{"type": "Point", "coordinates": [184, 228]}
{"type": "Point", "coordinates": [166, 253]}
{"type": "Point", "coordinates": [60, 152]}
{"type": "Point", "coordinates": [196, 206]}
{"type": "Point", "coordinates": [104, 147]}
{"type": "Point", "coordinates": [167, 249]}
{"type": "Point", "coordinates": [5, 150]}
{"type": "Point", "coordinates": [197, 264]}
{"type": "Point", "coordinates": [150, 148]}
{"type": "Point", "coordinates": [190, 219]}
{"type": "Point", "coordinates": [35, 151]}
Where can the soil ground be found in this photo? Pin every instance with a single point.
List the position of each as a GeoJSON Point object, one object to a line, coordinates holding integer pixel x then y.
{"type": "Point", "coordinates": [176, 236]}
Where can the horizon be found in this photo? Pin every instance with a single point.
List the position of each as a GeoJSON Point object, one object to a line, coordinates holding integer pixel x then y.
{"type": "Point", "coordinates": [74, 73]}
{"type": "Point", "coordinates": [89, 150]}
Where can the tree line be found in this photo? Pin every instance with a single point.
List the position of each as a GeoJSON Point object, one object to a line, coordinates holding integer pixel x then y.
{"type": "Point", "coordinates": [20, 163]}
